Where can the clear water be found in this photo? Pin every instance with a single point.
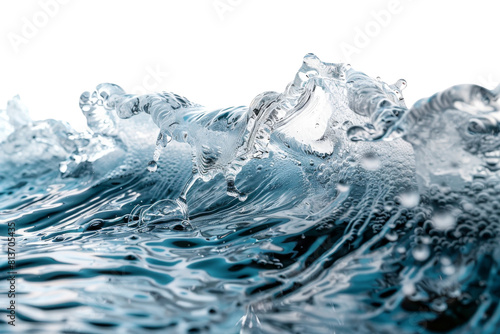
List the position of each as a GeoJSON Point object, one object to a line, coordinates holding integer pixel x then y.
{"type": "Point", "coordinates": [328, 208]}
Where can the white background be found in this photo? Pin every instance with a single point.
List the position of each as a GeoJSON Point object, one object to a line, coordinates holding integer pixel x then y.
{"type": "Point", "coordinates": [224, 52]}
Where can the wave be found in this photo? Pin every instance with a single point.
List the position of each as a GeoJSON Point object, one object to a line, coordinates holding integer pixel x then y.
{"type": "Point", "coordinates": [328, 207]}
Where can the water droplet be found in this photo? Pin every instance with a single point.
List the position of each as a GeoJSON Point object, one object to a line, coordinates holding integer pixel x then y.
{"type": "Point", "coordinates": [409, 200]}
{"type": "Point", "coordinates": [408, 289]}
{"type": "Point", "coordinates": [401, 84]}
{"type": "Point", "coordinates": [346, 125]}
{"type": "Point", "coordinates": [448, 270]}
{"type": "Point", "coordinates": [445, 261]}
{"type": "Point", "coordinates": [370, 162]}
{"type": "Point", "coordinates": [343, 187]}
{"type": "Point", "coordinates": [438, 305]}
{"type": "Point", "coordinates": [63, 167]}
{"type": "Point", "coordinates": [420, 252]}
{"type": "Point", "coordinates": [392, 236]}
{"type": "Point", "coordinates": [443, 221]}
{"type": "Point", "coordinates": [152, 166]}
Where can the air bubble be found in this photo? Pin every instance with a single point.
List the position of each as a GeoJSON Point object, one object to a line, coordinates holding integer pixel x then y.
{"type": "Point", "coordinates": [152, 166]}
{"type": "Point", "coordinates": [343, 187]}
{"type": "Point", "coordinates": [421, 252]}
{"type": "Point", "coordinates": [392, 236]}
{"type": "Point", "coordinates": [408, 289]}
{"type": "Point", "coordinates": [439, 305]}
{"type": "Point", "coordinates": [443, 221]}
{"type": "Point", "coordinates": [409, 200]}
{"type": "Point", "coordinates": [370, 162]}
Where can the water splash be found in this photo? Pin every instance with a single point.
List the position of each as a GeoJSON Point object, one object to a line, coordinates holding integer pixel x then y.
{"type": "Point", "coordinates": [358, 214]}
{"type": "Point", "coordinates": [222, 141]}
{"type": "Point", "coordinates": [454, 134]}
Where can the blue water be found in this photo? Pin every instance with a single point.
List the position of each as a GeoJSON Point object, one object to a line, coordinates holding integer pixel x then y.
{"type": "Point", "coordinates": [328, 208]}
